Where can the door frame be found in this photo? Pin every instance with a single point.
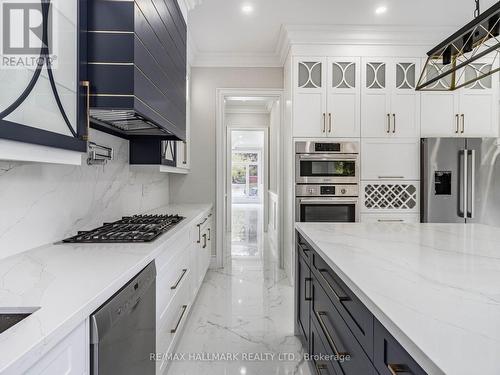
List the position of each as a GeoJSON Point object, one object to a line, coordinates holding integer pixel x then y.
{"type": "Point", "coordinates": [222, 164]}
{"type": "Point", "coordinates": [263, 161]}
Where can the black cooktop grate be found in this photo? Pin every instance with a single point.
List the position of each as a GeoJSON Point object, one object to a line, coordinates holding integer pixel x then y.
{"type": "Point", "coordinates": [138, 228]}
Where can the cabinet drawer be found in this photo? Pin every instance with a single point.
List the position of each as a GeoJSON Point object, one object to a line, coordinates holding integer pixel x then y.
{"type": "Point", "coordinates": [303, 299]}
{"type": "Point", "coordinates": [390, 218]}
{"type": "Point", "coordinates": [352, 310]}
{"type": "Point", "coordinates": [390, 357]}
{"type": "Point", "coordinates": [180, 242]}
{"type": "Point", "coordinates": [320, 364]}
{"type": "Point", "coordinates": [172, 279]}
{"type": "Point", "coordinates": [304, 250]}
{"type": "Point", "coordinates": [172, 321]}
{"type": "Point", "coordinates": [350, 359]}
{"type": "Point", "coordinates": [395, 159]}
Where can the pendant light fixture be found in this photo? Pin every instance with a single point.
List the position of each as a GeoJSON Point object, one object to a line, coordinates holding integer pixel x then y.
{"type": "Point", "coordinates": [467, 57]}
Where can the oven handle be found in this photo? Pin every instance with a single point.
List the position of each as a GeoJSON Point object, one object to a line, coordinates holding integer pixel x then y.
{"type": "Point", "coordinates": [326, 200]}
{"type": "Point", "coordinates": [327, 157]}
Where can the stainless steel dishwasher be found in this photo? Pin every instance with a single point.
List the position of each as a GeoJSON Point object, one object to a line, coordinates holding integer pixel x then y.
{"type": "Point", "coordinates": [123, 329]}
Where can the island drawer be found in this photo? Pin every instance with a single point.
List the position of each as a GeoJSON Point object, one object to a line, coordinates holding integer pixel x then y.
{"type": "Point", "coordinates": [304, 250]}
{"type": "Point", "coordinates": [321, 365]}
{"type": "Point", "coordinates": [349, 357]}
{"type": "Point", "coordinates": [357, 317]}
{"type": "Point", "coordinates": [389, 356]}
{"type": "Point", "coordinates": [302, 300]}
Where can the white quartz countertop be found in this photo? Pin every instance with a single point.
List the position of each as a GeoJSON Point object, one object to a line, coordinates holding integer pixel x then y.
{"type": "Point", "coordinates": [435, 287]}
{"type": "Point", "coordinates": [68, 282]}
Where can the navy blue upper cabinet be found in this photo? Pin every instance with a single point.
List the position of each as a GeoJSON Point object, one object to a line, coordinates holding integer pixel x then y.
{"type": "Point", "coordinates": [137, 68]}
{"type": "Point", "coordinates": [43, 98]}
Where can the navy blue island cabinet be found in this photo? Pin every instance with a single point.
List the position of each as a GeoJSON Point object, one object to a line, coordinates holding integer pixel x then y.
{"type": "Point", "coordinates": [43, 74]}
{"type": "Point", "coordinates": [339, 334]}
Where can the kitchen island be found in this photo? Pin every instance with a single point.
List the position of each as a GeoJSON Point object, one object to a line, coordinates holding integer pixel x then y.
{"type": "Point", "coordinates": [434, 287]}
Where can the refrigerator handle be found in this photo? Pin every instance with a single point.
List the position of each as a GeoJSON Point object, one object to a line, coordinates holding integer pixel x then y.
{"type": "Point", "coordinates": [465, 180]}
{"type": "Point", "coordinates": [470, 212]}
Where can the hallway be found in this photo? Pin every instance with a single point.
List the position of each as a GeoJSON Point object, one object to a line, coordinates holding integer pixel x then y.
{"type": "Point", "coordinates": [244, 309]}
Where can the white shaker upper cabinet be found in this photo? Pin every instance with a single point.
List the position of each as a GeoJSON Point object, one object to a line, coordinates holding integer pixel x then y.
{"type": "Point", "coordinates": [471, 111]}
{"type": "Point", "coordinates": [309, 101]}
{"type": "Point", "coordinates": [479, 103]}
{"type": "Point", "coordinates": [376, 98]}
{"type": "Point", "coordinates": [344, 94]}
{"type": "Point", "coordinates": [390, 104]}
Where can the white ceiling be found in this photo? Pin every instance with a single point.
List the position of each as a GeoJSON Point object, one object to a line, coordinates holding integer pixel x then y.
{"type": "Point", "coordinates": [219, 27]}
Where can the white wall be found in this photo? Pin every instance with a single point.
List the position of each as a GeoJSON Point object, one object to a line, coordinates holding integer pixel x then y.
{"type": "Point", "coordinates": [247, 120]}
{"type": "Point", "coordinates": [45, 203]}
{"type": "Point", "coordinates": [199, 185]}
{"type": "Point", "coordinates": [274, 146]}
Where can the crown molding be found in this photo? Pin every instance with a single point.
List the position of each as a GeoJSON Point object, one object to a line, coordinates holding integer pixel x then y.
{"type": "Point", "coordinates": [290, 35]}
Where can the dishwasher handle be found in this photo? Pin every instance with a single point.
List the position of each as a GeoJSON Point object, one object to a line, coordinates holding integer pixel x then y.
{"type": "Point", "coordinates": [121, 303]}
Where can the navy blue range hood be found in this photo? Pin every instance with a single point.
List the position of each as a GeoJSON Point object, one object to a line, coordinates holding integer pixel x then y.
{"type": "Point", "coordinates": [137, 68]}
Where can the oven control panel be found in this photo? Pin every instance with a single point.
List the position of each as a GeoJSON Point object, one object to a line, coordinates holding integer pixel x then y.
{"type": "Point", "coordinates": [309, 190]}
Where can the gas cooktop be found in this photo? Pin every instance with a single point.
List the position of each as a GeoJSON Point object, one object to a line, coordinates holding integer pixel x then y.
{"type": "Point", "coordinates": [137, 228]}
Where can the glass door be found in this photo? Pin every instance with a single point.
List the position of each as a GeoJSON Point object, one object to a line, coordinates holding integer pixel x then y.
{"type": "Point", "coordinates": [245, 177]}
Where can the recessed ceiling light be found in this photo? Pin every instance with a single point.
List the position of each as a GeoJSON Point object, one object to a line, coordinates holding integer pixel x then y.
{"type": "Point", "coordinates": [381, 10]}
{"type": "Point", "coordinates": [247, 8]}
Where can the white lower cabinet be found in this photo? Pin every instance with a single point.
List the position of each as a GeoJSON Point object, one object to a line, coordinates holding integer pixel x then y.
{"type": "Point", "coordinates": [390, 159]}
{"type": "Point", "coordinates": [180, 273]}
{"type": "Point", "coordinates": [390, 218]}
{"type": "Point", "coordinates": [69, 357]}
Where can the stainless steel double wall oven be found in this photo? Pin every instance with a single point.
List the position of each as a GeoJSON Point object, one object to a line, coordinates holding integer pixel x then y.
{"type": "Point", "coordinates": [327, 181]}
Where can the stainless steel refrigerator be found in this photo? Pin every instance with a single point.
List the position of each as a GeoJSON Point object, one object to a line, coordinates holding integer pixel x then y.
{"type": "Point", "coordinates": [452, 188]}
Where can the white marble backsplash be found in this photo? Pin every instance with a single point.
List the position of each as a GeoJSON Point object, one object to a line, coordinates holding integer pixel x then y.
{"type": "Point", "coordinates": [44, 203]}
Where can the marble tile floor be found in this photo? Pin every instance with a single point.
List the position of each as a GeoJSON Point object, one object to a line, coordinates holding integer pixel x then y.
{"type": "Point", "coordinates": [245, 308]}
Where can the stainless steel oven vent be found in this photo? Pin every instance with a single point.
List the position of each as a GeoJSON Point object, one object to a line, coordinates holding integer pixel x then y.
{"type": "Point", "coordinates": [127, 122]}
{"type": "Point", "coordinates": [467, 58]}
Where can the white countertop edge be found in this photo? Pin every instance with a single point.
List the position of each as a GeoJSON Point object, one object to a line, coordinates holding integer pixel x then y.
{"type": "Point", "coordinates": [417, 354]}
{"type": "Point", "coordinates": [40, 348]}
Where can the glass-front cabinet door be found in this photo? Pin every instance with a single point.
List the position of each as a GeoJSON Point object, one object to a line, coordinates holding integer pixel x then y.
{"type": "Point", "coordinates": [310, 113]}
{"type": "Point", "coordinates": [44, 99]}
{"type": "Point", "coordinates": [344, 97]}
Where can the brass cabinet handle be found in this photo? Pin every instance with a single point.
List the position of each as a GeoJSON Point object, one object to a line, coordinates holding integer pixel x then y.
{"type": "Point", "coordinates": [183, 273]}
{"type": "Point", "coordinates": [396, 369]}
{"type": "Point", "coordinates": [184, 308]}
{"type": "Point", "coordinates": [86, 84]}
{"type": "Point", "coordinates": [204, 241]}
{"type": "Point", "coordinates": [324, 122]}
{"type": "Point", "coordinates": [388, 130]}
{"type": "Point", "coordinates": [185, 153]}
{"type": "Point", "coordinates": [329, 123]}
{"type": "Point", "coordinates": [339, 297]}
{"type": "Point", "coordinates": [320, 367]}
{"type": "Point", "coordinates": [463, 123]}
{"type": "Point", "coordinates": [199, 228]}
{"type": "Point", "coordinates": [307, 279]}
{"type": "Point", "coordinates": [337, 352]}
{"type": "Point", "coordinates": [457, 123]}
{"type": "Point", "coordinates": [394, 123]}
